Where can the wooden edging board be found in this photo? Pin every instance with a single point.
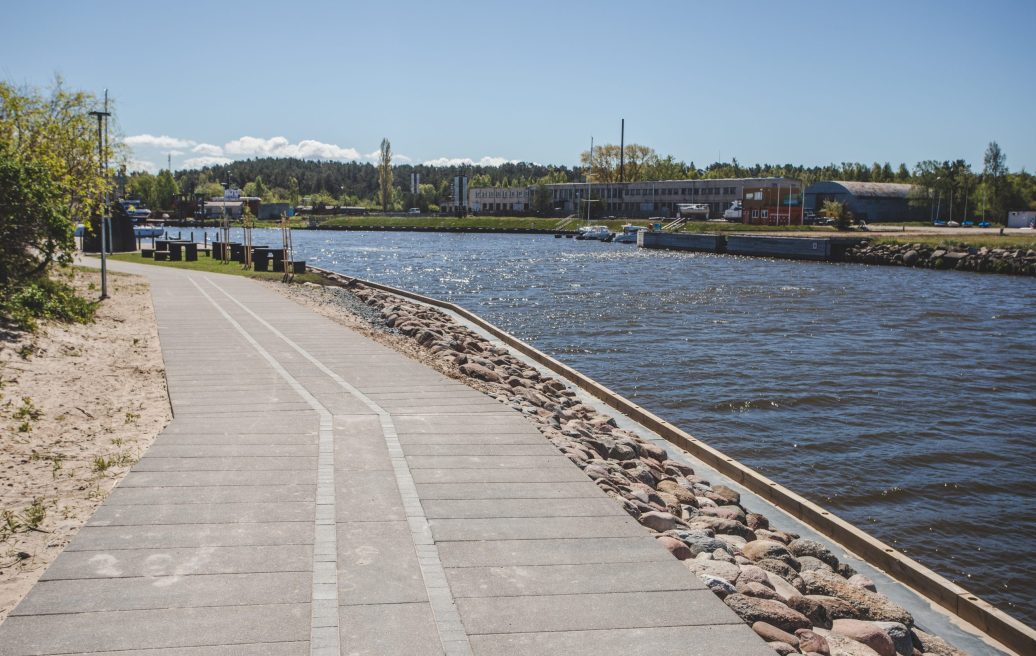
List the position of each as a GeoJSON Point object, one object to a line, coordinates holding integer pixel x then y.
{"type": "Point", "coordinates": [985, 617]}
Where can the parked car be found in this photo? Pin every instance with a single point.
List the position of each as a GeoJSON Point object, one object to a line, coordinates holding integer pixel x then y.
{"type": "Point", "coordinates": [984, 224]}
{"type": "Point", "coordinates": [414, 210]}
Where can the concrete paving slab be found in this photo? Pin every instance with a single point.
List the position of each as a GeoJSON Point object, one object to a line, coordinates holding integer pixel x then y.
{"type": "Point", "coordinates": [489, 462]}
{"type": "Point", "coordinates": [377, 564]}
{"type": "Point", "coordinates": [175, 591]}
{"type": "Point", "coordinates": [240, 463]}
{"type": "Point", "coordinates": [211, 494]}
{"type": "Point", "coordinates": [232, 451]}
{"type": "Point", "coordinates": [512, 475]}
{"type": "Point", "coordinates": [262, 649]}
{"type": "Point", "coordinates": [521, 490]}
{"type": "Point", "coordinates": [535, 528]}
{"type": "Point", "coordinates": [544, 448]}
{"type": "Point", "coordinates": [208, 478]}
{"type": "Point", "coordinates": [483, 437]}
{"type": "Point", "coordinates": [586, 612]}
{"type": "Point", "coordinates": [505, 508]}
{"type": "Point", "coordinates": [80, 633]}
{"type": "Point", "coordinates": [500, 553]}
{"type": "Point", "coordinates": [249, 513]}
{"type": "Point", "coordinates": [397, 629]}
{"type": "Point", "coordinates": [519, 580]}
{"type": "Point", "coordinates": [202, 436]}
{"type": "Point", "coordinates": [654, 641]}
{"type": "Point", "coordinates": [172, 536]}
{"type": "Point", "coordinates": [161, 563]}
{"type": "Point", "coordinates": [367, 496]}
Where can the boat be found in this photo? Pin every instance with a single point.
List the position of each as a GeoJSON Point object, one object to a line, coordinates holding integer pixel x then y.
{"type": "Point", "coordinates": [152, 230]}
{"type": "Point", "coordinates": [595, 233]}
{"type": "Point", "coordinates": [687, 211]}
{"type": "Point", "coordinates": [733, 213]}
{"type": "Point", "coordinates": [628, 234]}
{"type": "Point", "coordinates": [135, 210]}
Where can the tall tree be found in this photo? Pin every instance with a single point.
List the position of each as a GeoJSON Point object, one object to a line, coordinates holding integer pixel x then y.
{"type": "Point", "coordinates": [166, 189]}
{"type": "Point", "coordinates": [385, 174]}
{"type": "Point", "coordinates": [994, 172]}
{"type": "Point", "coordinates": [49, 147]}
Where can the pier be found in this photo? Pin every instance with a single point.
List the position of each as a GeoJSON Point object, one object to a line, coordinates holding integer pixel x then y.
{"type": "Point", "coordinates": [791, 247]}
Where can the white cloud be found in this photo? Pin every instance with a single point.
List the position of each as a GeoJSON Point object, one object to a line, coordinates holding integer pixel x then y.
{"type": "Point", "coordinates": [281, 147]}
{"type": "Point", "coordinates": [208, 160]}
{"type": "Point", "coordinates": [141, 165]}
{"type": "Point", "coordinates": [151, 141]}
{"type": "Point", "coordinates": [465, 161]}
{"type": "Point", "coordinates": [208, 149]}
{"type": "Point", "coordinates": [175, 153]}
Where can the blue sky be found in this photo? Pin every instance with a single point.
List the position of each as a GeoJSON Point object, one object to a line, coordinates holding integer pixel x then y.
{"type": "Point", "coordinates": [800, 82]}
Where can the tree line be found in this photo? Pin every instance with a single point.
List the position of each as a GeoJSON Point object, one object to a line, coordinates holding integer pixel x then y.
{"type": "Point", "coordinates": [953, 186]}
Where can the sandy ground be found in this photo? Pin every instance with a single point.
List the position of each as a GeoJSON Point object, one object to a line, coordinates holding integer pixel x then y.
{"type": "Point", "coordinates": [78, 406]}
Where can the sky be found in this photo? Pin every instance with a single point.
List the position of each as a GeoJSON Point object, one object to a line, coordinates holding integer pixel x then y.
{"type": "Point", "coordinates": [451, 82]}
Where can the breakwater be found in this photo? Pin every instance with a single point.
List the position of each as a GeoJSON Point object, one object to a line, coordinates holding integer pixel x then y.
{"type": "Point", "coordinates": [447, 229]}
{"type": "Point", "coordinates": [793, 591]}
{"type": "Point", "coordinates": [831, 249]}
{"type": "Point", "coordinates": [961, 257]}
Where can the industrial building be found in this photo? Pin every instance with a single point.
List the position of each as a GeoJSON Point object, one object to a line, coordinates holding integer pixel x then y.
{"type": "Point", "coordinates": [868, 201]}
{"type": "Point", "coordinates": [631, 199]}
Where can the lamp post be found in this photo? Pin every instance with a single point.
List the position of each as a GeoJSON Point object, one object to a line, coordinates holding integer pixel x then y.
{"type": "Point", "coordinates": [102, 164]}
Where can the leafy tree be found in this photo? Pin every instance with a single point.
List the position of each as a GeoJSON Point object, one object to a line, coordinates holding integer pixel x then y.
{"type": "Point", "coordinates": [542, 201]}
{"type": "Point", "coordinates": [385, 174]}
{"type": "Point", "coordinates": [994, 172]}
{"type": "Point", "coordinates": [638, 161]}
{"type": "Point", "coordinates": [293, 191]}
{"type": "Point", "coordinates": [141, 186]}
{"type": "Point", "coordinates": [836, 210]}
{"type": "Point", "coordinates": [166, 190]}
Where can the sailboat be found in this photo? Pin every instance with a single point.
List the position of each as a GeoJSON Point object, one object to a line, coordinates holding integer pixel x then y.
{"type": "Point", "coordinates": [594, 232]}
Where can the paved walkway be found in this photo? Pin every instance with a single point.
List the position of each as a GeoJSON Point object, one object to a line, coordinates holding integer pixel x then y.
{"type": "Point", "coordinates": [318, 493]}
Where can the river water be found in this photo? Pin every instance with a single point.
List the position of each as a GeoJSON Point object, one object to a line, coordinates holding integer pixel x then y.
{"type": "Point", "coordinates": [903, 399]}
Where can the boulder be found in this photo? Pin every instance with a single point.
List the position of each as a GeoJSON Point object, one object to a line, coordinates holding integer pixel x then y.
{"type": "Point", "coordinates": [867, 633]}
{"type": "Point", "coordinates": [769, 549]}
{"type": "Point", "coordinates": [752, 610]}
{"type": "Point", "coordinates": [868, 605]}
{"type": "Point", "coordinates": [900, 635]}
{"type": "Point", "coordinates": [724, 492]}
{"type": "Point", "coordinates": [714, 568]}
{"type": "Point", "coordinates": [816, 613]}
{"type": "Point", "coordinates": [732, 513]}
{"type": "Point", "coordinates": [836, 608]}
{"type": "Point", "coordinates": [784, 590]}
{"type": "Point", "coordinates": [931, 644]}
{"type": "Point", "coordinates": [778, 567]}
{"type": "Point", "coordinates": [782, 648]}
{"type": "Point", "coordinates": [756, 521]}
{"type": "Point", "coordinates": [809, 563]}
{"type": "Point", "coordinates": [725, 526]}
{"type": "Point", "coordinates": [811, 642]}
{"type": "Point", "coordinates": [771, 633]}
{"type": "Point", "coordinates": [720, 587]}
{"type": "Point", "coordinates": [675, 547]}
{"type": "Point", "coordinates": [861, 581]}
{"type": "Point", "coordinates": [682, 494]}
{"type": "Point", "coordinates": [910, 258]}
{"type": "Point", "coordinates": [659, 521]}
{"type": "Point", "coordinates": [754, 573]}
{"type": "Point", "coordinates": [754, 589]}
{"type": "Point", "coordinates": [806, 547]}
{"type": "Point", "coordinates": [480, 372]}
{"type": "Point", "coordinates": [840, 645]}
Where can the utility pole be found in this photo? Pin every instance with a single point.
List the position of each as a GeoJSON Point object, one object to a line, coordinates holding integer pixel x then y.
{"type": "Point", "coordinates": [622, 151]}
{"type": "Point", "coordinates": [102, 163]}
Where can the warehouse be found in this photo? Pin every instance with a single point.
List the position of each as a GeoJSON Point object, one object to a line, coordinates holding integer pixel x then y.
{"type": "Point", "coordinates": [868, 201]}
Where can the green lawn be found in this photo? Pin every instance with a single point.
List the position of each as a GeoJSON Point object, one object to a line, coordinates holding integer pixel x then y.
{"type": "Point", "coordinates": [205, 263]}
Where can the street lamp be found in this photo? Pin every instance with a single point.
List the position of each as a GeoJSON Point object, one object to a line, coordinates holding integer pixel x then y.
{"type": "Point", "coordinates": [102, 163]}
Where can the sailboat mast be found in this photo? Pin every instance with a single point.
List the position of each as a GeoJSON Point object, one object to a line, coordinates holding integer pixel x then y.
{"type": "Point", "coordinates": [589, 172]}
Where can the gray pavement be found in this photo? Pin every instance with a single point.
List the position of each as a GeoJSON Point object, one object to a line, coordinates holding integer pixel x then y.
{"type": "Point", "coordinates": [318, 493]}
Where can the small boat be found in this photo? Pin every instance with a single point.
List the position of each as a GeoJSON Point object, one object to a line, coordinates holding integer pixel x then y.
{"type": "Point", "coordinates": [952, 224]}
{"type": "Point", "coordinates": [595, 233]}
{"type": "Point", "coordinates": [628, 234]}
{"type": "Point", "coordinates": [153, 230]}
{"type": "Point", "coordinates": [135, 211]}
{"type": "Point", "coordinates": [733, 213]}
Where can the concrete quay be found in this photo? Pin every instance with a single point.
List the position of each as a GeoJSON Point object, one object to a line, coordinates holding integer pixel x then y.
{"type": "Point", "coordinates": [308, 498]}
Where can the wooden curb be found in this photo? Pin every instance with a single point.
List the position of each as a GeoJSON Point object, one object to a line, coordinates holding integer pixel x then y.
{"type": "Point", "coordinates": [985, 617]}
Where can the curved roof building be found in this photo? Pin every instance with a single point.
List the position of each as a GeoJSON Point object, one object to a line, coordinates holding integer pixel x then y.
{"type": "Point", "coordinates": [869, 201]}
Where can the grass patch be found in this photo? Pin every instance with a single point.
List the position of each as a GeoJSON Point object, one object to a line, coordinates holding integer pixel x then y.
{"type": "Point", "coordinates": [210, 265]}
{"type": "Point", "coordinates": [1023, 242]}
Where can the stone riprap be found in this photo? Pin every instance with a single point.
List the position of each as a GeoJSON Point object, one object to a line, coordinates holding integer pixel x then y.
{"type": "Point", "coordinates": [961, 257]}
{"type": "Point", "coordinates": [793, 591]}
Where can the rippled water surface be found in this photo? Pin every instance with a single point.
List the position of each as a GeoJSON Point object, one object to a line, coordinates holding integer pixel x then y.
{"type": "Point", "coordinates": [903, 399]}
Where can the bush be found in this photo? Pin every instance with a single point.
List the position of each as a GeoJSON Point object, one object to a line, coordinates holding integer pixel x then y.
{"type": "Point", "coordinates": [43, 299]}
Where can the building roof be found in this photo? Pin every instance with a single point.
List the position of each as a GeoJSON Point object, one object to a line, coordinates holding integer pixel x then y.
{"type": "Point", "coordinates": [867, 189]}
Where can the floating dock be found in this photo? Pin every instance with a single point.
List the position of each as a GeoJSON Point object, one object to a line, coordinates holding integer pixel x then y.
{"type": "Point", "coordinates": [828, 249]}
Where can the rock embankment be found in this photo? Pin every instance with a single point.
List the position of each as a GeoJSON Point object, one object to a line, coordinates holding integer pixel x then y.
{"type": "Point", "coordinates": [961, 257]}
{"type": "Point", "coordinates": [794, 592]}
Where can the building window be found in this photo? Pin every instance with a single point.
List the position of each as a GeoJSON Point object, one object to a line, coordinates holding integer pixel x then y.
{"type": "Point", "coordinates": [766, 214]}
{"type": "Point", "coordinates": [755, 214]}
